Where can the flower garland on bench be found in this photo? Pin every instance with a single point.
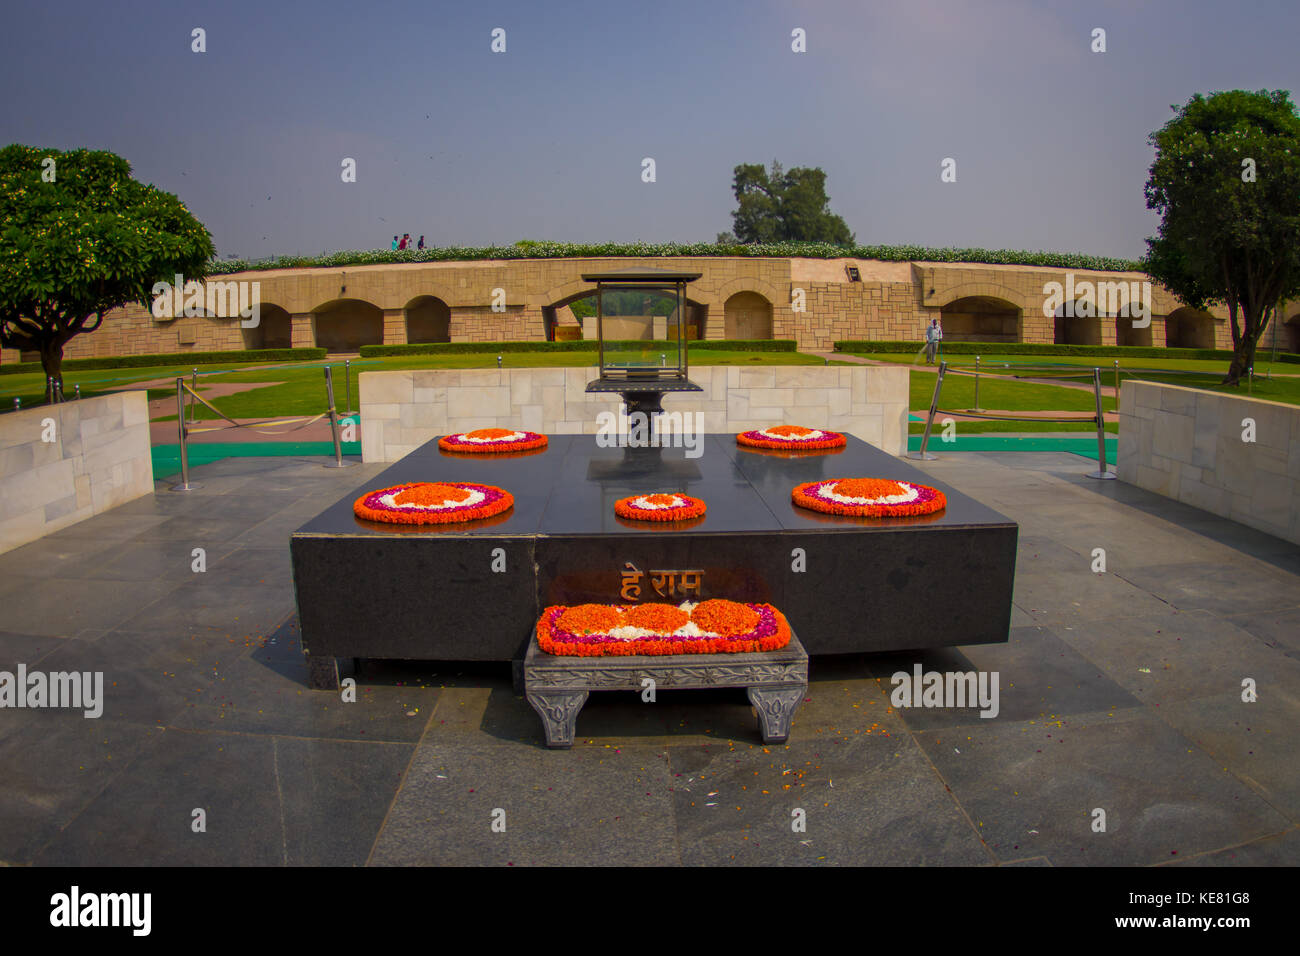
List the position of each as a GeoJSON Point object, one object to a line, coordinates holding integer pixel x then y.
{"type": "Point", "coordinates": [613, 630]}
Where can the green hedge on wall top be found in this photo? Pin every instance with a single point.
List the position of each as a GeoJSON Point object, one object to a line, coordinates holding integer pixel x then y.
{"type": "Point", "coordinates": [651, 250]}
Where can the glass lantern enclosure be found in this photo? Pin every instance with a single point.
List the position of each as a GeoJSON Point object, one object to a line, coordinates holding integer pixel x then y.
{"type": "Point", "coordinates": [644, 355]}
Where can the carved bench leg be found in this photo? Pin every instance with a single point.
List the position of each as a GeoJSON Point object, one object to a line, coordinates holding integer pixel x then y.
{"type": "Point", "coordinates": [323, 673]}
{"type": "Point", "coordinates": [776, 707]}
{"type": "Point", "coordinates": [559, 712]}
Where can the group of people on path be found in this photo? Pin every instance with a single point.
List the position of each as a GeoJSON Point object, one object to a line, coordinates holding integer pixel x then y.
{"type": "Point", "coordinates": [406, 243]}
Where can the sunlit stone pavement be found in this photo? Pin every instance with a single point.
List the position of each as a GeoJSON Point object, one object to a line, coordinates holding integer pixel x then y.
{"type": "Point", "coordinates": [1120, 691]}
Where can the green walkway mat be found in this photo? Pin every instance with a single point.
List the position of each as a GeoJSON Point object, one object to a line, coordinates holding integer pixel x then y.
{"type": "Point", "coordinates": [167, 458]}
{"type": "Point", "coordinates": [1086, 447]}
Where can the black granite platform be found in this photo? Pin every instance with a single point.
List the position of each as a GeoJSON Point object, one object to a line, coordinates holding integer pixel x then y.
{"type": "Point", "coordinates": [369, 590]}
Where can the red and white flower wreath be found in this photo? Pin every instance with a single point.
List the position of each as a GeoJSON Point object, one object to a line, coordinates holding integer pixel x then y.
{"type": "Point", "coordinates": [657, 507]}
{"type": "Point", "coordinates": [869, 497]}
{"type": "Point", "coordinates": [492, 441]}
{"type": "Point", "coordinates": [425, 502]}
{"type": "Point", "coordinates": [710, 627]}
{"type": "Point", "coordinates": [791, 438]}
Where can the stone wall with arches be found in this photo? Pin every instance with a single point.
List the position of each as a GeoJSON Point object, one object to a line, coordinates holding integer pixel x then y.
{"type": "Point", "coordinates": [813, 301]}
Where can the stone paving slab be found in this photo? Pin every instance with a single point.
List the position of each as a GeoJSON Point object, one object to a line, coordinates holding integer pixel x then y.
{"type": "Point", "coordinates": [1119, 690]}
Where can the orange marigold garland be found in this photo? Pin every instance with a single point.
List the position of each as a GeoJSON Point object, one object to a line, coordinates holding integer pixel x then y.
{"type": "Point", "coordinates": [425, 502]}
{"type": "Point", "coordinates": [791, 438]}
{"type": "Point", "coordinates": [659, 507]}
{"type": "Point", "coordinates": [614, 630]}
{"type": "Point", "coordinates": [492, 441]}
{"type": "Point", "coordinates": [869, 497]}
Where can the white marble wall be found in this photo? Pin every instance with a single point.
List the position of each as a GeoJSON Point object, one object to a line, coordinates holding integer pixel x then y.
{"type": "Point", "coordinates": [402, 410]}
{"type": "Point", "coordinates": [98, 459]}
{"type": "Point", "coordinates": [1188, 444]}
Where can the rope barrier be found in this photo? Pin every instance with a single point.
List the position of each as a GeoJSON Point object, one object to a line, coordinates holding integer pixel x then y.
{"type": "Point", "coordinates": [236, 424]}
{"type": "Point", "coordinates": [185, 432]}
{"type": "Point", "coordinates": [1098, 419]}
{"type": "Point", "coordinates": [1014, 418]}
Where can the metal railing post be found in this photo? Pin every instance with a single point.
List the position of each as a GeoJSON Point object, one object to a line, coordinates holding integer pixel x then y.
{"type": "Point", "coordinates": [77, 389]}
{"type": "Point", "coordinates": [347, 382]}
{"type": "Point", "coordinates": [922, 454]}
{"type": "Point", "coordinates": [194, 391]}
{"type": "Point", "coordinates": [185, 484]}
{"type": "Point", "coordinates": [977, 384]}
{"type": "Point", "coordinates": [1116, 384]}
{"type": "Point", "coordinates": [58, 391]}
{"type": "Point", "coordinates": [1101, 471]}
{"type": "Point", "coordinates": [1250, 380]}
{"type": "Point", "coordinates": [18, 403]}
{"type": "Point", "coordinates": [338, 461]}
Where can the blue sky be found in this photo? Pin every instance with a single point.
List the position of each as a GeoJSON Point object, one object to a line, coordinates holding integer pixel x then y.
{"type": "Point", "coordinates": [546, 140]}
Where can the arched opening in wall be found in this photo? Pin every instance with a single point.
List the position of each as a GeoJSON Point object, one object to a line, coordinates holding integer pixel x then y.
{"type": "Point", "coordinates": [747, 315]}
{"type": "Point", "coordinates": [1188, 328]}
{"type": "Point", "coordinates": [1126, 333]}
{"type": "Point", "coordinates": [274, 329]}
{"type": "Point", "coordinates": [428, 319]}
{"type": "Point", "coordinates": [630, 315]}
{"type": "Point", "coordinates": [980, 318]}
{"type": "Point", "coordinates": [1073, 326]}
{"type": "Point", "coordinates": [344, 325]}
{"type": "Point", "coordinates": [1288, 335]}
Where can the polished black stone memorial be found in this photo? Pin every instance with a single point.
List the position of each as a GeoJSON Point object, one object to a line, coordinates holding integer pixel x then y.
{"type": "Point", "coordinates": [474, 591]}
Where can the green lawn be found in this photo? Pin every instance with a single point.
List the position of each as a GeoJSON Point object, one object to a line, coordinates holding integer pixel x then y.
{"type": "Point", "coordinates": [302, 388]}
{"type": "Point", "coordinates": [1190, 373]}
{"type": "Point", "coordinates": [997, 392]}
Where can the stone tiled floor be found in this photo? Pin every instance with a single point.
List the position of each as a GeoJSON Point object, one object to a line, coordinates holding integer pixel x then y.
{"type": "Point", "coordinates": [1119, 691]}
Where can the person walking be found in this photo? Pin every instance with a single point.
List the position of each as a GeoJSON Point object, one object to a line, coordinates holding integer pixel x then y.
{"type": "Point", "coordinates": [394, 243]}
{"type": "Point", "coordinates": [421, 245]}
{"type": "Point", "coordinates": [406, 241]}
{"type": "Point", "coordinates": [933, 335]}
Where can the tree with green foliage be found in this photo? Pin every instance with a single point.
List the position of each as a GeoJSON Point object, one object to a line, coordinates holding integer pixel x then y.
{"type": "Point", "coordinates": [1226, 182]}
{"type": "Point", "coordinates": [784, 205]}
{"type": "Point", "coordinates": [80, 237]}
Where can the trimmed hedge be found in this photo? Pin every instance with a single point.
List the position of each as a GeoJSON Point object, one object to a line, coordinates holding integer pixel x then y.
{"type": "Point", "coordinates": [653, 250]}
{"type": "Point", "coordinates": [581, 345]}
{"type": "Point", "coordinates": [175, 358]}
{"type": "Point", "coordinates": [1031, 348]}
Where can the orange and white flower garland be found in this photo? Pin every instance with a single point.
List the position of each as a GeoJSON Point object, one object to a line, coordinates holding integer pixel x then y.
{"type": "Point", "coordinates": [657, 507]}
{"type": "Point", "coordinates": [791, 438]}
{"type": "Point", "coordinates": [869, 497]}
{"type": "Point", "coordinates": [425, 502]}
{"type": "Point", "coordinates": [490, 441]}
{"type": "Point", "coordinates": [709, 627]}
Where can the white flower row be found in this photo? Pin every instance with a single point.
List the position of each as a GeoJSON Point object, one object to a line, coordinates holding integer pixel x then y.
{"type": "Point", "coordinates": [641, 501]}
{"type": "Point", "coordinates": [911, 493]}
{"type": "Point", "coordinates": [513, 436]}
{"type": "Point", "coordinates": [813, 435]}
{"type": "Point", "coordinates": [475, 497]}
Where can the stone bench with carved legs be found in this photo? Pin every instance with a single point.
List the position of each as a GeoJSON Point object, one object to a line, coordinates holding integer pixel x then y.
{"type": "Point", "coordinates": [557, 687]}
